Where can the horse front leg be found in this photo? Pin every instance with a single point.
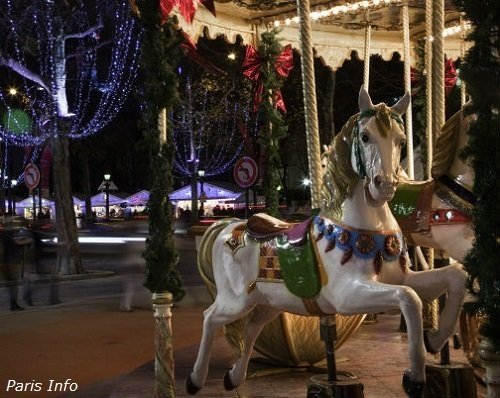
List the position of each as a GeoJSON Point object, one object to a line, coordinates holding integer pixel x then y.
{"type": "Point", "coordinates": [260, 316]}
{"type": "Point", "coordinates": [372, 297]}
{"type": "Point", "coordinates": [215, 317]}
{"type": "Point", "coordinates": [429, 285]}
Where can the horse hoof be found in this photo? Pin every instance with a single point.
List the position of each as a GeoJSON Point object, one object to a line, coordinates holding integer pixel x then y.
{"type": "Point", "coordinates": [228, 384]}
{"type": "Point", "coordinates": [427, 343]}
{"type": "Point", "coordinates": [191, 388]}
{"type": "Point", "coordinates": [414, 389]}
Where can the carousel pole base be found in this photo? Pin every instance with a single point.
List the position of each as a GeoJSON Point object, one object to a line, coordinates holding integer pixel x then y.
{"type": "Point", "coordinates": [450, 381]}
{"type": "Point", "coordinates": [346, 386]}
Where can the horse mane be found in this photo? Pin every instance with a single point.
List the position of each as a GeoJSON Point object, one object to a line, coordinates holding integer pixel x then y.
{"type": "Point", "coordinates": [446, 144]}
{"type": "Point", "coordinates": [339, 176]}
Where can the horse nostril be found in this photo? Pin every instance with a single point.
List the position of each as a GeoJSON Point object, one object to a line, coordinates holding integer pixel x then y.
{"type": "Point", "coordinates": [377, 181]}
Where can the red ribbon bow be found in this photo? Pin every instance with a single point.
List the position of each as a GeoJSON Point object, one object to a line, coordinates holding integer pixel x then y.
{"type": "Point", "coordinates": [187, 8]}
{"type": "Point", "coordinates": [252, 70]}
{"type": "Point", "coordinates": [450, 76]}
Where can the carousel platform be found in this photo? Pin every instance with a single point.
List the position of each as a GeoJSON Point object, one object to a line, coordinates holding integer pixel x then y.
{"type": "Point", "coordinates": [108, 353]}
{"type": "Point", "coordinates": [376, 354]}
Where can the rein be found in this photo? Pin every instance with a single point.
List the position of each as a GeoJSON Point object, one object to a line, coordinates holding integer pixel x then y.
{"type": "Point", "coordinates": [360, 162]}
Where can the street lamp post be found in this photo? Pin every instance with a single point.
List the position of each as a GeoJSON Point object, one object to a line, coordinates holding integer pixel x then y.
{"type": "Point", "coordinates": [13, 184]}
{"type": "Point", "coordinates": [107, 180]}
{"type": "Point", "coordinates": [203, 196]}
{"type": "Point", "coordinates": [107, 185]}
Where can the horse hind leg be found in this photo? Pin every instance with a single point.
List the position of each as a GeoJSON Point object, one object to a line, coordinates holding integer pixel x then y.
{"type": "Point", "coordinates": [258, 318]}
{"type": "Point", "coordinates": [214, 319]}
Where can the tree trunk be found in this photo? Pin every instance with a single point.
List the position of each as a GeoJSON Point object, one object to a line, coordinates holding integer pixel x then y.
{"type": "Point", "coordinates": [89, 216]}
{"type": "Point", "coordinates": [68, 251]}
{"type": "Point", "coordinates": [3, 148]}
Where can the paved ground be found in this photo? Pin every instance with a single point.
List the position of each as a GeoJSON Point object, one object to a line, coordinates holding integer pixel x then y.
{"type": "Point", "coordinates": [109, 353]}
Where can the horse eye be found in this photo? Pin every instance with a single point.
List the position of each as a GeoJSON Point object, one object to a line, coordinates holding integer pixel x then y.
{"type": "Point", "coordinates": [365, 137]}
{"type": "Point", "coordinates": [403, 143]}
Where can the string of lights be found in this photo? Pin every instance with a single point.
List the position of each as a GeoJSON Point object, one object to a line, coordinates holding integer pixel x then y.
{"type": "Point", "coordinates": [207, 132]}
{"type": "Point", "coordinates": [340, 11]}
{"type": "Point", "coordinates": [73, 74]}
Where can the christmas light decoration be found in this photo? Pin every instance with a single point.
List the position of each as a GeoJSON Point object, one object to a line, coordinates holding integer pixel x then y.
{"type": "Point", "coordinates": [79, 73]}
{"type": "Point", "coordinates": [339, 11]}
{"type": "Point", "coordinates": [359, 7]}
{"type": "Point", "coordinates": [207, 131]}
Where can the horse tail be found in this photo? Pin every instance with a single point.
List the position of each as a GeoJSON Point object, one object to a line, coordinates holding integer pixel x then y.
{"type": "Point", "coordinates": [234, 330]}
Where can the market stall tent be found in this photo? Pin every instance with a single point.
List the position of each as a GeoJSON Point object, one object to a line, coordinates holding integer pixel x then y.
{"type": "Point", "coordinates": [24, 207]}
{"type": "Point", "coordinates": [209, 194]}
{"type": "Point", "coordinates": [136, 203]}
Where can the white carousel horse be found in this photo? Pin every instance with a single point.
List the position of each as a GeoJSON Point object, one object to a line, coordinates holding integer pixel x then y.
{"type": "Point", "coordinates": [361, 259]}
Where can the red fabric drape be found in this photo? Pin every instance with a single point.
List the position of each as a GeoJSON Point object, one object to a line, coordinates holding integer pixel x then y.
{"type": "Point", "coordinates": [187, 8]}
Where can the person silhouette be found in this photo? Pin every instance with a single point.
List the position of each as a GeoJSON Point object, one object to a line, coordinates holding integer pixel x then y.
{"type": "Point", "coordinates": [15, 239]}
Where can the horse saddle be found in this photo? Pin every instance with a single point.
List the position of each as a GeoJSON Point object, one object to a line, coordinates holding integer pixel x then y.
{"type": "Point", "coordinates": [286, 254]}
{"type": "Point", "coordinates": [262, 226]}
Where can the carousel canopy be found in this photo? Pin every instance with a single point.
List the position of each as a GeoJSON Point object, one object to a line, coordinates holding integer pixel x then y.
{"type": "Point", "coordinates": [337, 26]}
{"type": "Point", "coordinates": [210, 191]}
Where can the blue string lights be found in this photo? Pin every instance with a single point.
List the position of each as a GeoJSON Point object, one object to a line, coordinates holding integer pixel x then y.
{"type": "Point", "coordinates": [78, 67]}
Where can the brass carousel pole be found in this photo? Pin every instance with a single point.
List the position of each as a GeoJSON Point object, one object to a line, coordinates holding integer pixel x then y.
{"type": "Point", "coordinates": [445, 379]}
{"type": "Point", "coordinates": [162, 305]}
{"type": "Point", "coordinates": [407, 83]}
{"type": "Point", "coordinates": [429, 125]}
{"type": "Point", "coordinates": [327, 323]}
{"type": "Point", "coordinates": [367, 52]}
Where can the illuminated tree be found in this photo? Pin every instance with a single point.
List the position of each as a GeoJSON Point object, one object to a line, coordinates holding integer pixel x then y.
{"type": "Point", "coordinates": [75, 61]}
{"type": "Point", "coordinates": [211, 125]}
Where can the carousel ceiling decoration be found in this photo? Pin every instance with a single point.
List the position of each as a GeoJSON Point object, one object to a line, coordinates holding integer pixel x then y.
{"type": "Point", "coordinates": [380, 14]}
{"type": "Point", "coordinates": [338, 27]}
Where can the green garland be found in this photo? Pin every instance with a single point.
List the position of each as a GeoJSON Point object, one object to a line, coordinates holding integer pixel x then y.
{"type": "Point", "coordinates": [273, 127]}
{"type": "Point", "coordinates": [160, 55]}
{"type": "Point", "coordinates": [480, 71]}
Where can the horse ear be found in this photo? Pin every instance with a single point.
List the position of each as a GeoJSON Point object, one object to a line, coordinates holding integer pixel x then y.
{"type": "Point", "coordinates": [364, 100]}
{"type": "Point", "coordinates": [402, 104]}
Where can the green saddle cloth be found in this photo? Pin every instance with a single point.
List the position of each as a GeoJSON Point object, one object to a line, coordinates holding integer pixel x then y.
{"type": "Point", "coordinates": [411, 205]}
{"type": "Point", "coordinates": [299, 267]}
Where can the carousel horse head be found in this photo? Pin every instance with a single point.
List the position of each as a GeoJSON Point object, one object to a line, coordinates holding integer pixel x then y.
{"type": "Point", "coordinates": [449, 142]}
{"type": "Point", "coordinates": [367, 149]}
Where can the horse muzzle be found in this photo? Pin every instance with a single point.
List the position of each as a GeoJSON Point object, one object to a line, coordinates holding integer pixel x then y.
{"type": "Point", "coordinates": [385, 185]}
{"type": "Point", "coordinates": [382, 190]}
